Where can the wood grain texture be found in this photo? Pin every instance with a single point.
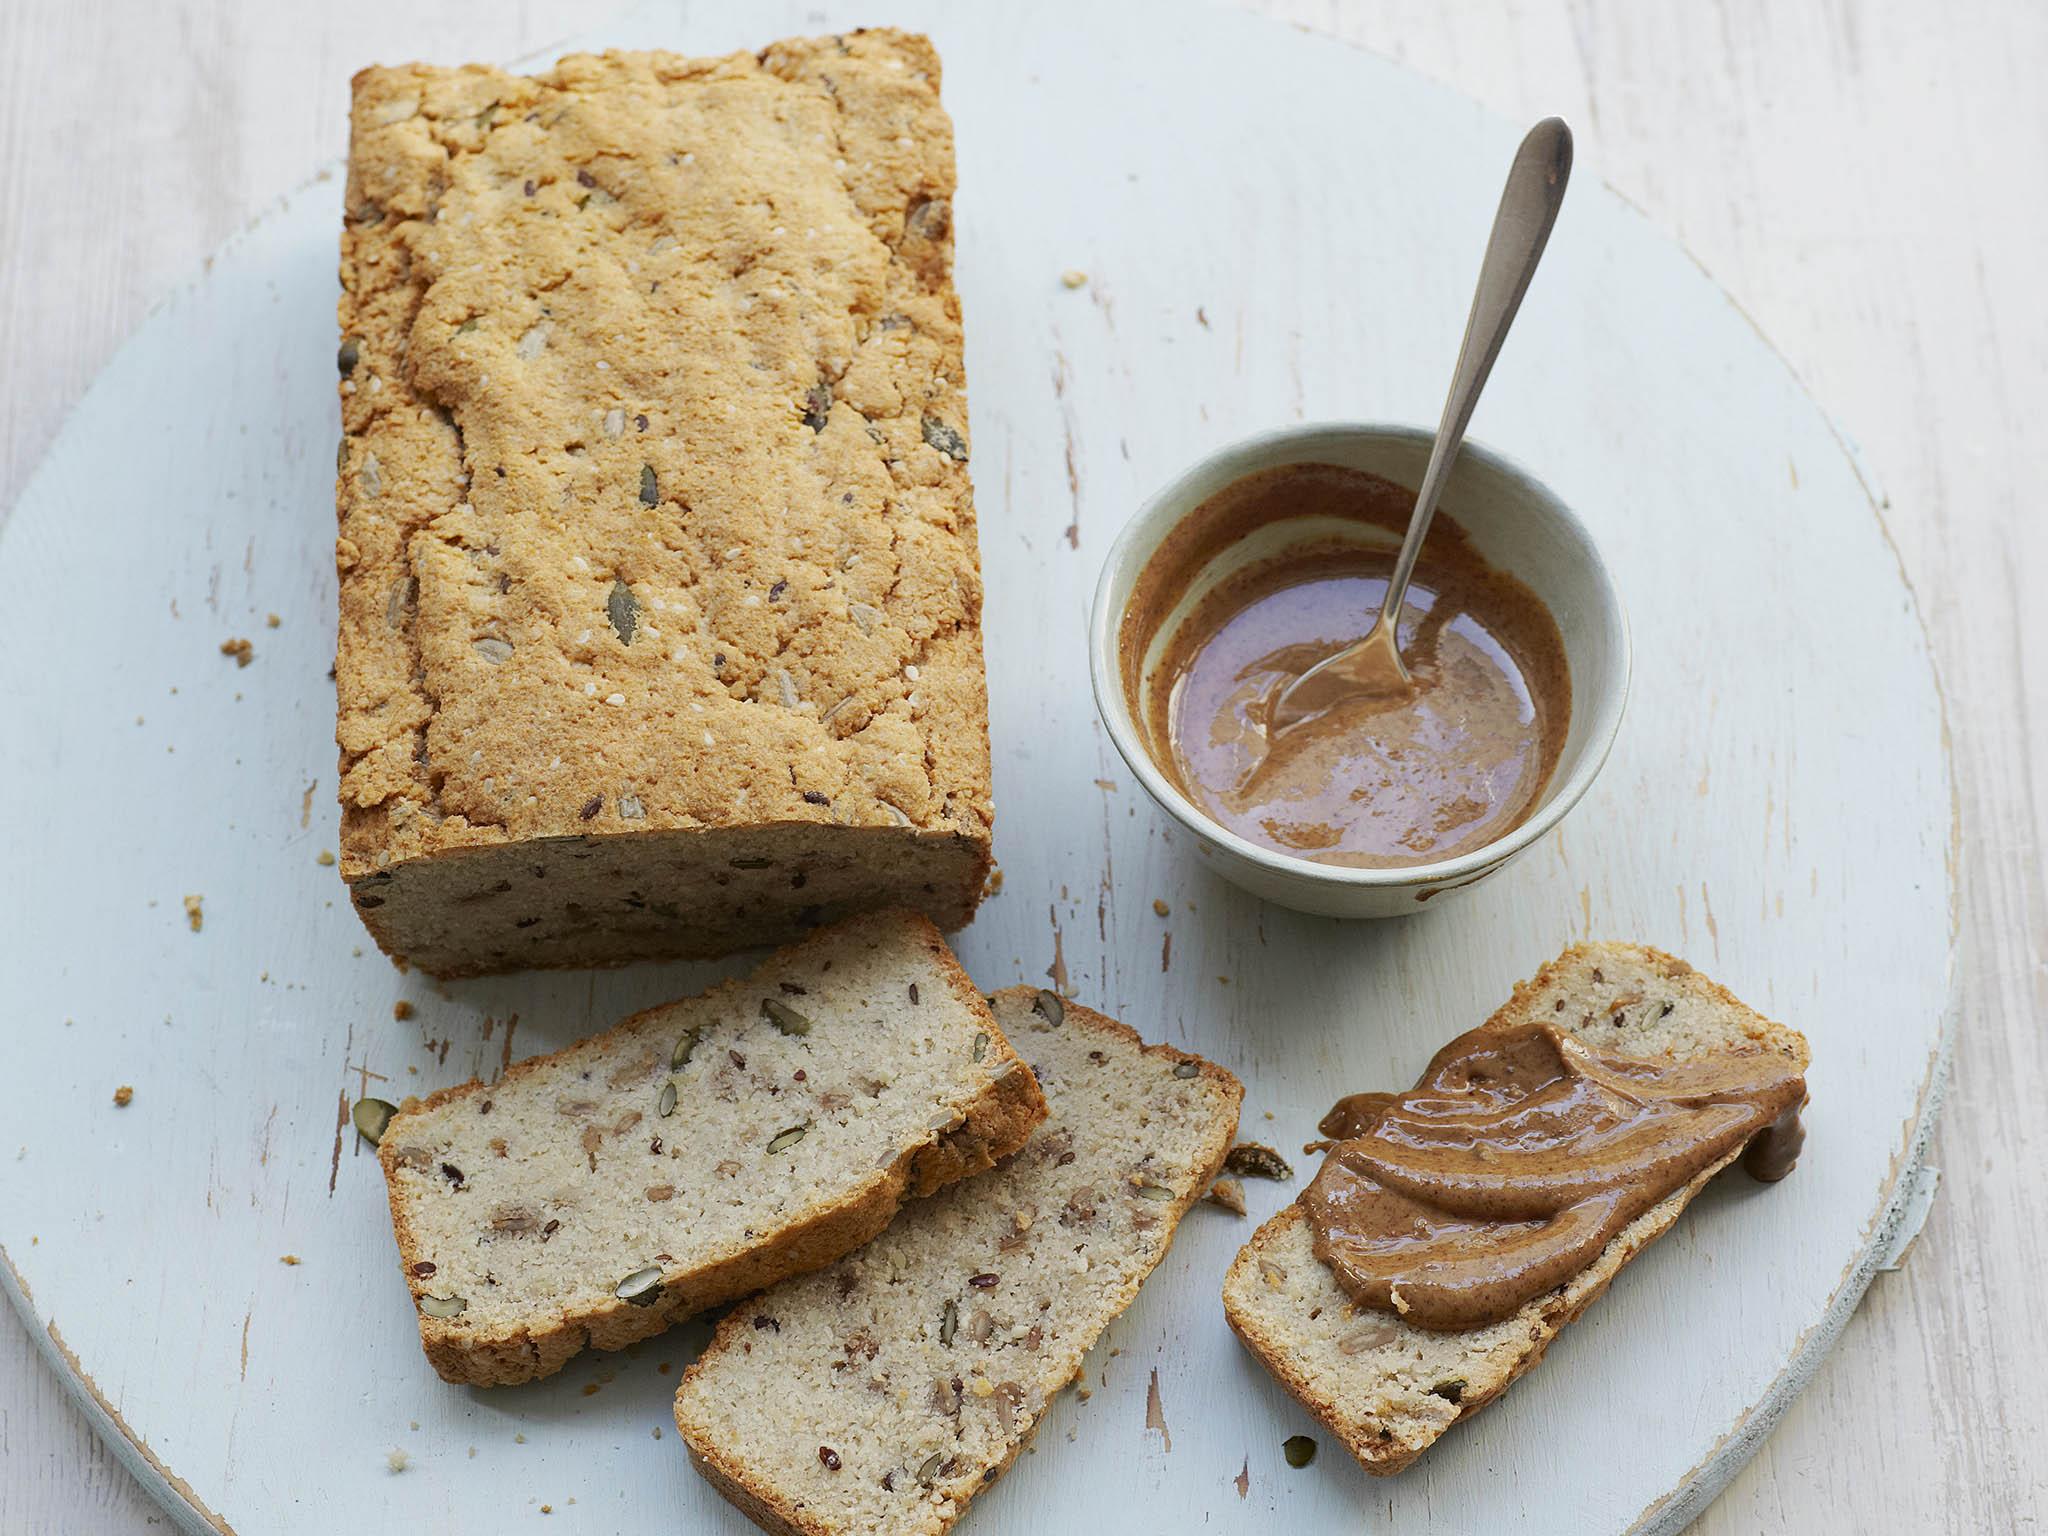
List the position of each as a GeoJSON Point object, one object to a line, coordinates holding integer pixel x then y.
{"type": "Point", "coordinates": [1833, 167]}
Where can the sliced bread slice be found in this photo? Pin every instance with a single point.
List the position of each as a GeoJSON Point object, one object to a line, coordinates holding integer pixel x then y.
{"type": "Point", "coordinates": [1388, 1389]}
{"type": "Point", "coordinates": [882, 1394]}
{"type": "Point", "coordinates": [698, 1151]}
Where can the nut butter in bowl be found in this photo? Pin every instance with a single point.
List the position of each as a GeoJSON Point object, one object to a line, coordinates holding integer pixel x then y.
{"type": "Point", "coordinates": [1274, 554]}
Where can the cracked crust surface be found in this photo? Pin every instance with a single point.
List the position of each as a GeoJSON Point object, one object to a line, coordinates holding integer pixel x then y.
{"type": "Point", "coordinates": [1388, 1390]}
{"type": "Point", "coordinates": [532, 1198]}
{"type": "Point", "coordinates": [924, 1361]}
{"type": "Point", "coordinates": [655, 523]}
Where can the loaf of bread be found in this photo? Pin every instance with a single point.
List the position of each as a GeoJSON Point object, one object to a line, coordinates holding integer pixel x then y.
{"type": "Point", "coordinates": [1387, 1389]}
{"type": "Point", "coordinates": [882, 1394]}
{"type": "Point", "coordinates": [698, 1151]}
{"type": "Point", "coordinates": [660, 605]}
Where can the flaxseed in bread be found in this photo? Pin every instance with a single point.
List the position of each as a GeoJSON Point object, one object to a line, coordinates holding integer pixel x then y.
{"type": "Point", "coordinates": [1388, 1389]}
{"type": "Point", "coordinates": [660, 604]}
{"type": "Point", "coordinates": [699, 1151]}
{"type": "Point", "coordinates": [880, 1395]}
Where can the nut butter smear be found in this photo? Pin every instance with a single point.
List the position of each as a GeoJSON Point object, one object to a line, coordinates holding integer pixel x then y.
{"type": "Point", "coordinates": [1440, 770]}
{"type": "Point", "coordinates": [1519, 1155]}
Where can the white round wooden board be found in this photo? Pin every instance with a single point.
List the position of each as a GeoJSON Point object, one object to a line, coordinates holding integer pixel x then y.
{"type": "Point", "coordinates": [1274, 227]}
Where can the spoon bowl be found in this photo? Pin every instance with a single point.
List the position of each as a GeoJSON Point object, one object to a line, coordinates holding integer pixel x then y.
{"type": "Point", "coordinates": [1514, 522]}
{"type": "Point", "coordinates": [1370, 668]}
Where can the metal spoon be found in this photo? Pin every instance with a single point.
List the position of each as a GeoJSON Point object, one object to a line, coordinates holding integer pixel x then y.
{"type": "Point", "coordinates": [1372, 667]}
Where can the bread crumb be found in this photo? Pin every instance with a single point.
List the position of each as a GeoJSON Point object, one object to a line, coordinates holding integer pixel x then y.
{"type": "Point", "coordinates": [240, 649]}
{"type": "Point", "coordinates": [193, 914]}
{"type": "Point", "coordinates": [1160, 907]}
{"type": "Point", "coordinates": [401, 1010]}
{"type": "Point", "coordinates": [293, 1259]}
{"type": "Point", "coordinates": [1252, 1159]}
{"type": "Point", "coordinates": [124, 1095]}
{"type": "Point", "coordinates": [994, 884]}
{"type": "Point", "coordinates": [325, 858]}
{"type": "Point", "coordinates": [1227, 1193]}
{"type": "Point", "coordinates": [1073, 277]}
{"type": "Point", "coordinates": [519, 1439]}
{"type": "Point", "coordinates": [272, 620]}
{"type": "Point", "coordinates": [547, 1509]}
{"type": "Point", "coordinates": [397, 1460]}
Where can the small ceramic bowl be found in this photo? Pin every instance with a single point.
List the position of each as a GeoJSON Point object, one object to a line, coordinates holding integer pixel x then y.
{"type": "Point", "coordinates": [1516, 525]}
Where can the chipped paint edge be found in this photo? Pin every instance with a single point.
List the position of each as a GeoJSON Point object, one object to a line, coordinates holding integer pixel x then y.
{"type": "Point", "coordinates": [1704, 1483]}
{"type": "Point", "coordinates": [1909, 1194]}
{"type": "Point", "coordinates": [149, 1469]}
{"type": "Point", "coordinates": [1923, 1184]}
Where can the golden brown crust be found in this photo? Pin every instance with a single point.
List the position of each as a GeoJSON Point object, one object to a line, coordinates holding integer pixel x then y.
{"type": "Point", "coordinates": [762, 1502]}
{"type": "Point", "coordinates": [655, 519]}
{"type": "Point", "coordinates": [999, 1122]}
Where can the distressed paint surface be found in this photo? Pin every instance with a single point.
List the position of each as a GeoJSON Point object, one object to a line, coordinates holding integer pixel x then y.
{"type": "Point", "coordinates": [1057, 469]}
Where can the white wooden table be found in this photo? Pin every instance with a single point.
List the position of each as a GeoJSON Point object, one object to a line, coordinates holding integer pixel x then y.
{"type": "Point", "coordinates": [1846, 176]}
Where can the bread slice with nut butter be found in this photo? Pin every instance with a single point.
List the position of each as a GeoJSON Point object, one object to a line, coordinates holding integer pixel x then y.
{"type": "Point", "coordinates": [882, 1394]}
{"type": "Point", "coordinates": [698, 1151]}
{"type": "Point", "coordinates": [1386, 1388]}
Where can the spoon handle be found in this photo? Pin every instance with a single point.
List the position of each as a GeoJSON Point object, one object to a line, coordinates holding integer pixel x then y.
{"type": "Point", "coordinates": [1521, 226]}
